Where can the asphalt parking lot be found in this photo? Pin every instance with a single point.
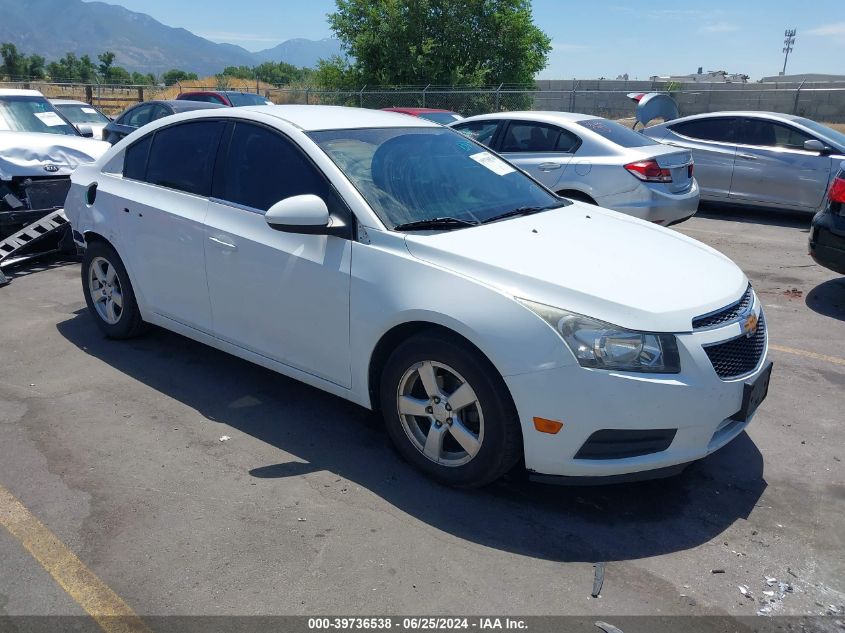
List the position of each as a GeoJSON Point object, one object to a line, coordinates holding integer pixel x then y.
{"type": "Point", "coordinates": [115, 447]}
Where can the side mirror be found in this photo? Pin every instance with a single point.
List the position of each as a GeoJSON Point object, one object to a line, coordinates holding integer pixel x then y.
{"type": "Point", "coordinates": [88, 132]}
{"type": "Point", "coordinates": [299, 214]}
{"type": "Point", "coordinates": [813, 145]}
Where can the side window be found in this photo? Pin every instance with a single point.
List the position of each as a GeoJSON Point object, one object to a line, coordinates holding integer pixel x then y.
{"type": "Point", "coordinates": [772, 134]}
{"type": "Point", "coordinates": [182, 156]}
{"type": "Point", "coordinates": [135, 163]}
{"type": "Point", "coordinates": [481, 131]}
{"type": "Point", "coordinates": [567, 142]}
{"type": "Point", "coordinates": [139, 116]}
{"type": "Point", "coordinates": [525, 136]}
{"type": "Point", "coordinates": [721, 130]}
{"type": "Point", "coordinates": [262, 167]}
{"type": "Point", "coordinates": [158, 112]}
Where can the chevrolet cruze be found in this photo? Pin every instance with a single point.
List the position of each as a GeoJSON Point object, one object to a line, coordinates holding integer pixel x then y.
{"type": "Point", "coordinates": [398, 264]}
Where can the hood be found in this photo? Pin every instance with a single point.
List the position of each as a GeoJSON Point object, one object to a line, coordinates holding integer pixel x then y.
{"type": "Point", "coordinates": [594, 262]}
{"type": "Point", "coordinates": [27, 153]}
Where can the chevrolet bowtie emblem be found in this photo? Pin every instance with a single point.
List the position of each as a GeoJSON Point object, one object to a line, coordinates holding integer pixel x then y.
{"type": "Point", "coordinates": [750, 325]}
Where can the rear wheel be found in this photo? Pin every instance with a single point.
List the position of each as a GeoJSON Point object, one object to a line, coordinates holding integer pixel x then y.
{"type": "Point", "coordinates": [577, 195]}
{"type": "Point", "coordinates": [448, 412]}
{"type": "Point", "coordinates": [108, 292]}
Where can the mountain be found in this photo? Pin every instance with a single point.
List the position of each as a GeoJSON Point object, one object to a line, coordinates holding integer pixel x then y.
{"type": "Point", "coordinates": [54, 27]}
{"type": "Point", "coordinates": [300, 52]}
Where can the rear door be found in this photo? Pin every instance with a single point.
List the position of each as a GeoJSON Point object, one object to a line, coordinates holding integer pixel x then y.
{"type": "Point", "coordinates": [712, 141]}
{"type": "Point", "coordinates": [773, 168]}
{"type": "Point", "coordinates": [541, 149]}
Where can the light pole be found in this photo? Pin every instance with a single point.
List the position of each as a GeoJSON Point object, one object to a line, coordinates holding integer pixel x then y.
{"type": "Point", "coordinates": [788, 44]}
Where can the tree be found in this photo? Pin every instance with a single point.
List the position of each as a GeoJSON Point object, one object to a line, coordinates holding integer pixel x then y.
{"type": "Point", "coordinates": [106, 61]}
{"type": "Point", "coordinates": [174, 74]}
{"type": "Point", "coordinates": [35, 66]}
{"type": "Point", "coordinates": [441, 42]}
{"type": "Point", "coordinates": [14, 62]}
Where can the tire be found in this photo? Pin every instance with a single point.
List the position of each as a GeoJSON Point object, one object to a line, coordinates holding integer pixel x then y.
{"type": "Point", "coordinates": [104, 275]}
{"type": "Point", "coordinates": [488, 425]}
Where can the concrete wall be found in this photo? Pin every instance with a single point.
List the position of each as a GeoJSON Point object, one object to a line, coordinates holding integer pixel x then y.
{"type": "Point", "coordinates": [822, 101]}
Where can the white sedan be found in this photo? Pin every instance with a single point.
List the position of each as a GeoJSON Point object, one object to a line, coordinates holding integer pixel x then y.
{"type": "Point", "coordinates": [398, 264]}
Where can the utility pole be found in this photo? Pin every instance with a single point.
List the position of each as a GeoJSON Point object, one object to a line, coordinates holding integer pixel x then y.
{"type": "Point", "coordinates": [788, 44]}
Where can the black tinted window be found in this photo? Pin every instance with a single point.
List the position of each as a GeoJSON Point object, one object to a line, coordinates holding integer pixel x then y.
{"type": "Point", "coordinates": [135, 163]}
{"type": "Point", "coordinates": [182, 156]}
{"type": "Point", "coordinates": [567, 142]}
{"type": "Point", "coordinates": [530, 137]}
{"type": "Point", "coordinates": [262, 168]}
{"type": "Point", "coordinates": [722, 130]}
{"type": "Point", "coordinates": [137, 116]}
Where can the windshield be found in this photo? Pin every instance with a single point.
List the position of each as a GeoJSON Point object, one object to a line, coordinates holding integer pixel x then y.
{"type": "Point", "coordinates": [617, 133]}
{"type": "Point", "coordinates": [78, 113]}
{"type": "Point", "coordinates": [823, 130]}
{"type": "Point", "coordinates": [416, 174]}
{"type": "Point", "coordinates": [444, 118]}
{"type": "Point", "coordinates": [246, 99]}
{"type": "Point", "coordinates": [32, 114]}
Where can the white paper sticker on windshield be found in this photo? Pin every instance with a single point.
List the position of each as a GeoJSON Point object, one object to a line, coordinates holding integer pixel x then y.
{"type": "Point", "coordinates": [89, 110]}
{"type": "Point", "coordinates": [50, 119]}
{"type": "Point", "coordinates": [493, 163]}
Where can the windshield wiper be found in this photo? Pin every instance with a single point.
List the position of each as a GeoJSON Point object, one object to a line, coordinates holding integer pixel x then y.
{"type": "Point", "coordinates": [519, 211]}
{"type": "Point", "coordinates": [434, 223]}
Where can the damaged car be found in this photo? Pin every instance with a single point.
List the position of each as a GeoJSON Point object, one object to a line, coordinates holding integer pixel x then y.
{"type": "Point", "coordinates": [39, 149]}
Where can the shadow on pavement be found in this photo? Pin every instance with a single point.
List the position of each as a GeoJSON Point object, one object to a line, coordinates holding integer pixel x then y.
{"type": "Point", "coordinates": [561, 524]}
{"type": "Point", "coordinates": [753, 215]}
{"type": "Point", "coordinates": [828, 298]}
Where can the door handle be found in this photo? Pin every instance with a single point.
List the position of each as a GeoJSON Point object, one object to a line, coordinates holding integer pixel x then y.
{"type": "Point", "coordinates": [747, 156]}
{"type": "Point", "coordinates": [548, 166]}
{"type": "Point", "coordinates": [223, 243]}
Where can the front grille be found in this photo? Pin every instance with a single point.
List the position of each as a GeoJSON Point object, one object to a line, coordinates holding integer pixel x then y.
{"type": "Point", "coordinates": [47, 193]}
{"type": "Point", "coordinates": [725, 314]}
{"type": "Point", "coordinates": [738, 356]}
{"type": "Point", "coordinates": [622, 443]}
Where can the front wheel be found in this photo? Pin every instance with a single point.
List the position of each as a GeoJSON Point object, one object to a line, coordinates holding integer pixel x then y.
{"type": "Point", "coordinates": [108, 292]}
{"type": "Point", "coordinates": [448, 412]}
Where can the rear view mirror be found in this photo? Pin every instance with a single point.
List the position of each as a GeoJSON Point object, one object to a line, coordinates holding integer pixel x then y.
{"type": "Point", "coordinates": [813, 145]}
{"type": "Point", "coordinates": [299, 214]}
{"type": "Point", "coordinates": [86, 131]}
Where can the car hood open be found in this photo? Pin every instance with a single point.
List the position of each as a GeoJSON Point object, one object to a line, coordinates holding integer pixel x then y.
{"type": "Point", "coordinates": [594, 262]}
{"type": "Point", "coordinates": [28, 153]}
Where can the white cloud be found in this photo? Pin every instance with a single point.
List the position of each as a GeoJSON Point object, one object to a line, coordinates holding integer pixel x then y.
{"type": "Point", "coordinates": [837, 29]}
{"type": "Point", "coordinates": [719, 27]}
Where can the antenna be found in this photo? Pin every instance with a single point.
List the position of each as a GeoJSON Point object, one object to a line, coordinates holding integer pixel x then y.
{"type": "Point", "coordinates": [788, 45]}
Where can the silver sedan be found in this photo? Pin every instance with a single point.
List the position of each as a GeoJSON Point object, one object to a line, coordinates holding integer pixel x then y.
{"type": "Point", "coordinates": [594, 160]}
{"type": "Point", "coordinates": [763, 159]}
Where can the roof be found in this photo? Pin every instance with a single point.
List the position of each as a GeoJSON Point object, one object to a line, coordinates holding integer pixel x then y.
{"type": "Point", "coordinates": [69, 102]}
{"type": "Point", "coordinates": [184, 105]}
{"type": "Point", "coordinates": [324, 117]}
{"type": "Point", "coordinates": [749, 113]}
{"type": "Point", "coordinates": [543, 116]}
{"type": "Point", "coordinates": [15, 92]}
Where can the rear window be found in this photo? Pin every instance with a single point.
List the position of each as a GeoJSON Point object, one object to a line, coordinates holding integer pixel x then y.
{"type": "Point", "coordinates": [443, 118]}
{"type": "Point", "coordinates": [246, 99]}
{"type": "Point", "coordinates": [617, 133]}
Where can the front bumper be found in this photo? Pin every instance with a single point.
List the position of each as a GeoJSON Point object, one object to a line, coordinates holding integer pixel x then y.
{"type": "Point", "coordinates": [654, 203]}
{"type": "Point", "coordinates": [696, 404]}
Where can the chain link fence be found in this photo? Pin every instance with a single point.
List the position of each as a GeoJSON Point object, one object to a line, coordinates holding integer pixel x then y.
{"type": "Point", "coordinates": [823, 102]}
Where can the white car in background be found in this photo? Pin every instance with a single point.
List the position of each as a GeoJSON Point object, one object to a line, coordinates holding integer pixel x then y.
{"type": "Point", "coordinates": [593, 160]}
{"type": "Point", "coordinates": [83, 116]}
{"type": "Point", "coordinates": [395, 263]}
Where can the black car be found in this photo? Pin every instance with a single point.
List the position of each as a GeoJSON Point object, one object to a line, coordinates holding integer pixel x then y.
{"type": "Point", "coordinates": [827, 231]}
{"type": "Point", "coordinates": [143, 113]}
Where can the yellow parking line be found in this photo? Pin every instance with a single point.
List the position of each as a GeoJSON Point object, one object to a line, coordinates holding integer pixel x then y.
{"type": "Point", "coordinates": [800, 352]}
{"type": "Point", "coordinates": [101, 603]}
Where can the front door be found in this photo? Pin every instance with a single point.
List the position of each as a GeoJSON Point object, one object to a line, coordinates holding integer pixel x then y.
{"type": "Point", "coordinates": [284, 296]}
{"type": "Point", "coordinates": [773, 168]}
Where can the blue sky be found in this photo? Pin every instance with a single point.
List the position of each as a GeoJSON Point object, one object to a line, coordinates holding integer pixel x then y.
{"type": "Point", "coordinates": [591, 39]}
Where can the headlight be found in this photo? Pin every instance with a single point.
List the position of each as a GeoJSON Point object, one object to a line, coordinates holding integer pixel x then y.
{"type": "Point", "coordinates": [601, 345]}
